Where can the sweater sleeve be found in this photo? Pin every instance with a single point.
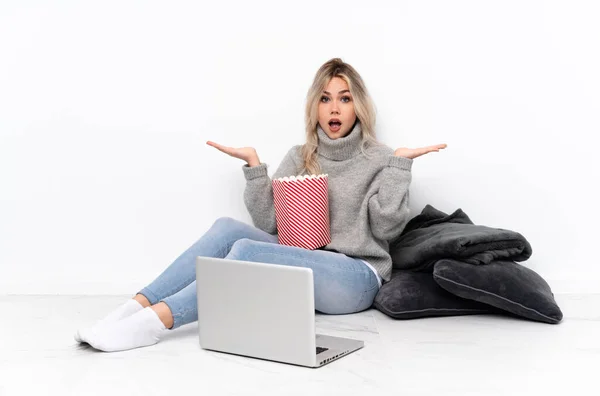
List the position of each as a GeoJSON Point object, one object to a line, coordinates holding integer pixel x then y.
{"type": "Point", "coordinates": [388, 207]}
{"type": "Point", "coordinates": [258, 194]}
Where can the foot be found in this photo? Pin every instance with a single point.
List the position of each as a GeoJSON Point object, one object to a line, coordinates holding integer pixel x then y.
{"type": "Point", "coordinates": [128, 308]}
{"type": "Point", "coordinates": [143, 328]}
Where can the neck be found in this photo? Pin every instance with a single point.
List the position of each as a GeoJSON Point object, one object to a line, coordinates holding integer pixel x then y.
{"type": "Point", "coordinates": [343, 148]}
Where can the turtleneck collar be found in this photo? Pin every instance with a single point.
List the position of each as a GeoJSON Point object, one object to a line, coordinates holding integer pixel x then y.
{"type": "Point", "coordinates": [343, 148]}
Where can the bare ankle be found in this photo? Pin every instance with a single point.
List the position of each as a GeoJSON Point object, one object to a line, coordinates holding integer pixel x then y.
{"type": "Point", "coordinates": [142, 300]}
{"type": "Point", "coordinates": [164, 313]}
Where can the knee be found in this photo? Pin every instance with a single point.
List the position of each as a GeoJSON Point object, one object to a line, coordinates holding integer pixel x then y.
{"type": "Point", "coordinates": [226, 223]}
{"type": "Point", "coordinates": [242, 248]}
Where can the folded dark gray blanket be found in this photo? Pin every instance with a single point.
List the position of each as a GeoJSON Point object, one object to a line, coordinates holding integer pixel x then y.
{"type": "Point", "coordinates": [434, 235]}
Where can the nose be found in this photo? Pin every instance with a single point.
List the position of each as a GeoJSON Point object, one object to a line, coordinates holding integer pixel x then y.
{"type": "Point", "coordinates": [334, 107]}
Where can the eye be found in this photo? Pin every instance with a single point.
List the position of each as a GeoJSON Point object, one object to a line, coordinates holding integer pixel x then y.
{"type": "Point", "coordinates": [347, 99]}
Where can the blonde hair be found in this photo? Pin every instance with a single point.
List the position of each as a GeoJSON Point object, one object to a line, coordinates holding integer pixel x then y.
{"type": "Point", "coordinates": [363, 107]}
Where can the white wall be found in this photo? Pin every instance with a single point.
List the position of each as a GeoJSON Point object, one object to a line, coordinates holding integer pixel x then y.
{"type": "Point", "coordinates": [105, 109]}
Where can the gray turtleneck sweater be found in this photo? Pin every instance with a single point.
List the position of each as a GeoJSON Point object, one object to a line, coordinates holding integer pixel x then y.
{"type": "Point", "coordinates": [368, 197]}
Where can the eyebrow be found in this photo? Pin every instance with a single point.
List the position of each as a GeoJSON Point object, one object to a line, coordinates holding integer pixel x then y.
{"type": "Point", "coordinates": [341, 92]}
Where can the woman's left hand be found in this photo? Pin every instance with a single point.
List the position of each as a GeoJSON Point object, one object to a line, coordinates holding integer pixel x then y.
{"type": "Point", "coordinates": [417, 152]}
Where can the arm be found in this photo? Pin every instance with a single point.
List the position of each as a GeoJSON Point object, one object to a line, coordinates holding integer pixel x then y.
{"type": "Point", "coordinates": [258, 194]}
{"type": "Point", "coordinates": [388, 207]}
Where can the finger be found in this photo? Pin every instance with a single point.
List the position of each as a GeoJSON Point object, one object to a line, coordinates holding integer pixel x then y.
{"type": "Point", "coordinates": [430, 150]}
{"type": "Point", "coordinates": [438, 146]}
{"type": "Point", "coordinates": [215, 145]}
{"type": "Point", "coordinates": [225, 149]}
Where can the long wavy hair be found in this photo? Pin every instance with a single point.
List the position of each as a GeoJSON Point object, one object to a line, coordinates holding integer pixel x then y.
{"type": "Point", "coordinates": [363, 107]}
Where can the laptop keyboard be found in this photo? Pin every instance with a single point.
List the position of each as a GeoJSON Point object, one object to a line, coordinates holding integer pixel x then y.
{"type": "Point", "coordinates": [321, 349]}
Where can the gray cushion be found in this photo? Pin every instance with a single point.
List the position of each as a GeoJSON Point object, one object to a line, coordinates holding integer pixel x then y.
{"type": "Point", "coordinates": [434, 235]}
{"type": "Point", "coordinates": [410, 295]}
{"type": "Point", "coordinates": [503, 284]}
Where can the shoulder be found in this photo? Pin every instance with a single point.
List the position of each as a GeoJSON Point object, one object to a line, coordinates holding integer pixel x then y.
{"type": "Point", "coordinates": [378, 150]}
{"type": "Point", "coordinates": [294, 155]}
{"type": "Point", "coordinates": [295, 152]}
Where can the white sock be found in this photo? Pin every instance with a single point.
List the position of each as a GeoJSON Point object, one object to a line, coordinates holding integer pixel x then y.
{"type": "Point", "coordinates": [141, 329]}
{"type": "Point", "coordinates": [128, 308]}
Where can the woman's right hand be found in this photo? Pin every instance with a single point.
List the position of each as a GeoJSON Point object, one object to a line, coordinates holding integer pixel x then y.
{"type": "Point", "coordinates": [247, 154]}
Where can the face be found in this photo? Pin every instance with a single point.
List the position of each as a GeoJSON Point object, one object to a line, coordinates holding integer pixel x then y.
{"type": "Point", "coordinates": [336, 104]}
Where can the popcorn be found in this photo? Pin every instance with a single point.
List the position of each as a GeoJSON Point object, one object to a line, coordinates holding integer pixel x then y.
{"type": "Point", "coordinates": [302, 210]}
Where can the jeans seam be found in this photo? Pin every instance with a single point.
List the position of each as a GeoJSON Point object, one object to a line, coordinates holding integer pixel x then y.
{"type": "Point", "coordinates": [176, 315]}
{"type": "Point", "coordinates": [180, 314]}
{"type": "Point", "coordinates": [362, 298]}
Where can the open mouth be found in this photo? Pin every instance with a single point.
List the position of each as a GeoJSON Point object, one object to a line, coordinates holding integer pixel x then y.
{"type": "Point", "coordinates": [335, 126]}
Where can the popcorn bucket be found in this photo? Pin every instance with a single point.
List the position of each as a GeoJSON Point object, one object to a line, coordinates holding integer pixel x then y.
{"type": "Point", "coordinates": [302, 211]}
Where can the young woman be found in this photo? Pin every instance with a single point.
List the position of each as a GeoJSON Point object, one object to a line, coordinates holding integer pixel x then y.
{"type": "Point", "coordinates": [368, 202]}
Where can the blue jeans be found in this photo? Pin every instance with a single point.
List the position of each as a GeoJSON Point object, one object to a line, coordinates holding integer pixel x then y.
{"type": "Point", "coordinates": [342, 284]}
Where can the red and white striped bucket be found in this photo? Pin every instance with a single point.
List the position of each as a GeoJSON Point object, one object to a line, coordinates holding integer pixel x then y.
{"type": "Point", "coordinates": [302, 211]}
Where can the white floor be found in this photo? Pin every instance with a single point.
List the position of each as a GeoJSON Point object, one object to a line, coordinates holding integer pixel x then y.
{"type": "Point", "coordinates": [468, 355]}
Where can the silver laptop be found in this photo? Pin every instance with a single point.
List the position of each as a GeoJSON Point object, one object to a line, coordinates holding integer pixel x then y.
{"type": "Point", "coordinates": [265, 311]}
